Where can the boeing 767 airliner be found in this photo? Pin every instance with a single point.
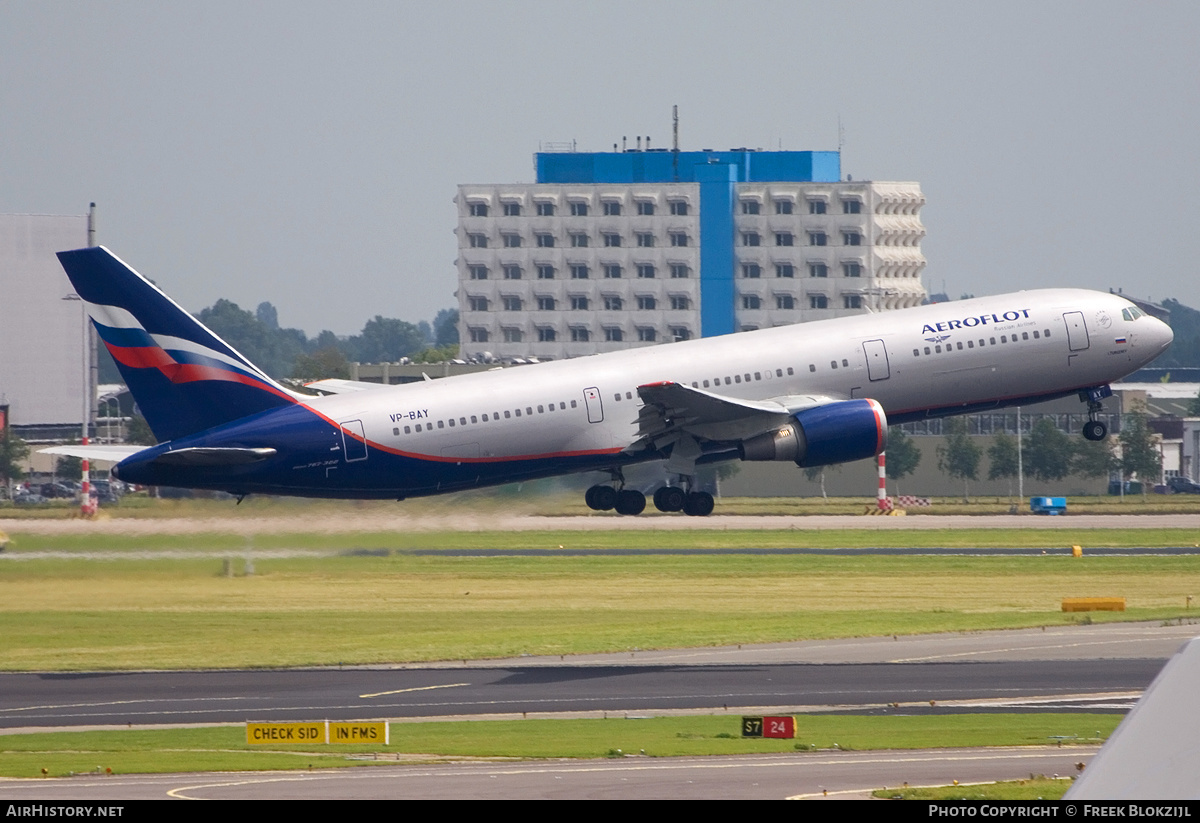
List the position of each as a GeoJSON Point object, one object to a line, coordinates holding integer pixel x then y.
{"type": "Point", "coordinates": [813, 393]}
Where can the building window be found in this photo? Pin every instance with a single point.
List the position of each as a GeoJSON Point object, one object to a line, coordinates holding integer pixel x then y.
{"type": "Point", "coordinates": [818, 301]}
{"type": "Point", "coordinates": [545, 303]}
{"type": "Point", "coordinates": [679, 271]}
{"type": "Point", "coordinates": [851, 207]}
{"type": "Point", "coordinates": [783, 206]}
{"type": "Point", "coordinates": [511, 241]}
{"type": "Point", "coordinates": [612, 302]}
{"type": "Point", "coordinates": [611, 239]}
{"type": "Point", "coordinates": [512, 209]}
{"type": "Point", "coordinates": [750, 238]}
{"type": "Point", "coordinates": [816, 206]}
{"type": "Point", "coordinates": [751, 271]}
{"type": "Point", "coordinates": [679, 208]}
{"type": "Point", "coordinates": [646, 302]}
{"type": "Point", "coordinates": [579, 208]}
{"type": "Point", "coordinates": [751, 207]}
{"type": "Point", "coordinates": [580, 334]}
{"type": "Point", "coordinates": [477, 304]}
{"type": "Point", "coordinates": [817, 238]}
{"type": "Point", "coordinates": [579, 240]}
{"type": "Point", "coordinates": [479, 335]}
{"type": "Point", "coordinates": [477, 241]}
{"type": "Point", "coordinates": [579, 271]}
{"type": "Point", "coordinates": [784, 238]}
{"type": "Point", "coordinates": [511, 303]}
{"type": "Point", "coordinates": [613, 334]}
{"type": "Point", "coordinates": [647, 335]}
{"type": "Point", "coordinates": [545, 209]}
{"type": "Point", "coordinates": [477, 272]}
{"type": "Point", "coordinates": [612, 208]}
{"type": "Point", "coordinates": [818, 270]}
{"type": "Point", "coordinates": [851, 270]}
{"type": "Point", "coordinates": [544, 241]}
{"type": "Point", "coordinates": [851, 238]}
{"type": "Point", "coordinates": [545, 271]}
{"type": "Point", "coordinates": [751, 301]}
{"type": "Point", "coordinates": [680, 302]}
{"type": "Point", "coordinates": [785, 270]}
{"type": "Point", "coordinates": [547, 335]}
{"type": "Point", "coordinates": [477, 209]}
{"type": "Point", "coordinates": [681, 333]}
{"type": "Point", "coordinates": [579, 302]}
{"type": "Point", "coordinates": [511, 272]}
{"type": "Point", "coordinates": [512, 335]}
{"type": "Point", "coordinates": [612, 271]}
{"type": "Point", "coordinates": [785, 301]}
{"type": "Point", "coordinates": [852, 301]}
{"type": "Point", "coordinates": [646, 271]}
{"type": "Point", "coordinates": [645, 239]}
{"type": "Point", "coordinates": [679, 238]}
{"type": "Point", "coordinates": [645, 207]}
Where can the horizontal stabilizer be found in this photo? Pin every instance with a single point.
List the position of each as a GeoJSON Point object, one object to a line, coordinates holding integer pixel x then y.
{"type": "Point", "coordinates": [213, 457]}
{"type": "Point", "coordinates": [334, 385]}
{"type": "Point", "coordinates": [107, 454]}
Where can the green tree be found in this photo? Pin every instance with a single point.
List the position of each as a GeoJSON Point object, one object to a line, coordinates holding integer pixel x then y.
{"type": "Point", "coordinates": [385, 340]}
{"type": "Point", "coordinates": [1140, 454]}
{"type": "Point", "coordinates": [1093, 458]}
{"type": "Point", "coordinates": [139, 432]}
{"type": "Point", "coordinates": [13, 452]}
{"type": "Point", "coordinates": [902, 457]}
{"type": "Point", "coordinates": [1003, 460]}
{"type": "Point", "coordinates": [322, 364]}
{"type": "Point", "coordinates": [1050, 451]}
{"type": "Point", "coordinates": [960, 455]}
{"type": "Point", "coordinates": [445, 327]}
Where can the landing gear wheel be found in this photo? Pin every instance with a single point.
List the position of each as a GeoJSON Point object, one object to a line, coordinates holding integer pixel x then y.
{"type": "Point", "coordinates": [669, 499]}
{"type": "Point", "coordinates": [1094, 430]}
{"type": "Point", "coordinates": [699, 504]}
{"type": "Point", "coordinates": [630, 502]}
{"type": "Point", "coordinates": [601, 498]}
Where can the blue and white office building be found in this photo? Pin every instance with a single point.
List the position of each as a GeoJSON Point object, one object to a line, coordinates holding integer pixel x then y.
{"type": "Point", "coordinates": [610, 250]}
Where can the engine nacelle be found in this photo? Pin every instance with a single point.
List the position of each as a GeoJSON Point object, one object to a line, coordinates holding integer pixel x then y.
{"type": "Point", "coordinates": [824, 435]}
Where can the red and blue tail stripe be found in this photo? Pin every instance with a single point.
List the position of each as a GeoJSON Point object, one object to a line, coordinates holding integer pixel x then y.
{"type": "Point", "coordinates": [184, 378]}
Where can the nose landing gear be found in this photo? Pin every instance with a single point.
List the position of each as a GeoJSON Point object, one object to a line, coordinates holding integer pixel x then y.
{"type": "Point", "coordinates": [1095, 430]}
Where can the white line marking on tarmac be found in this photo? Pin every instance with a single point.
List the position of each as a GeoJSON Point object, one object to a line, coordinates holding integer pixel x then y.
{"type": "Point", "coordinates": [416, 689]}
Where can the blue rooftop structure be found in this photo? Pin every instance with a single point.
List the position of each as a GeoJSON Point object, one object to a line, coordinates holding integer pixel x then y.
{"type": "Point", "coordinates": [717, 173]}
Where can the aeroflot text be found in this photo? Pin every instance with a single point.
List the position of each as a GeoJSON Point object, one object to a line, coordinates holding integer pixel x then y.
{"type": "Point", "coordinates": [971, 322]}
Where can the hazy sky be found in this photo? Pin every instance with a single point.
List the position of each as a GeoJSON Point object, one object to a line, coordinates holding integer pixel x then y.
{"type": "Point", "coordinates": [307, 153]}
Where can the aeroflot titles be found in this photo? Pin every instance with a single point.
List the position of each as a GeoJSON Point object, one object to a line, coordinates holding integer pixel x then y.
{"type": "Point", "coordinates": [970, 322]}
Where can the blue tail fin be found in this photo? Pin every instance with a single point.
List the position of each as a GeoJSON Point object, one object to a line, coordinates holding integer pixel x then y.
{"type": "Point", "coordinates": [184, 377]}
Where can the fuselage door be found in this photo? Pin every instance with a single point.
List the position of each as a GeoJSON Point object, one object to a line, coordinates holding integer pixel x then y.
{"type": "Point", "coordinates": [354, 441]}
{"type": "Point", "coordinates": [595, 409]}
{"type": "Point", "coordinates": [877, 360]}
{"type": "Point", "coordinates": [1077, 336]}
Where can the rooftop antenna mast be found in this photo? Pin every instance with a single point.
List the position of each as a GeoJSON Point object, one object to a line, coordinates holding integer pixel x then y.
{"type": "Point", "coordinates": [675, 141]}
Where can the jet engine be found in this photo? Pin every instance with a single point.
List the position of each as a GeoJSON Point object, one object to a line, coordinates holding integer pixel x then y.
{"type": "Point", "coordinates": [824, 435]}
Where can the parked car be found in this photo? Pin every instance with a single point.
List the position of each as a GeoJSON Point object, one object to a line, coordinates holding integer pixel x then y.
{"type": "Point", "coordinates": [1181, 485]}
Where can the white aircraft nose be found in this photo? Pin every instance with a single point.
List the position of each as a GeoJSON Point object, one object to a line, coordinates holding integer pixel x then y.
{"type": "Point", "coordinates": [1161, 335]}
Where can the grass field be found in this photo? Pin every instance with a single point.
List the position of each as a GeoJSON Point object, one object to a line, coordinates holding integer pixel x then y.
{"type": "Point", "coordinates": [225, 748]}
{"type": "Point", "coordinates": [145, 611]}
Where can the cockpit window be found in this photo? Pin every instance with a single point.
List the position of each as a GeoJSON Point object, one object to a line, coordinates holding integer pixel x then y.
{"type": "Point", "coordinates": [1132, 313]}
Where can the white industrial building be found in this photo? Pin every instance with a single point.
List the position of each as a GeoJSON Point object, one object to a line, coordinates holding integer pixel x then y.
{"type": "Point", "coordinates": [609, 251]}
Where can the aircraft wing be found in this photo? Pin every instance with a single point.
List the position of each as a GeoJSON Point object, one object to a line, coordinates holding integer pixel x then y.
{"type": "Point", "coordinates": [671, 410]}
{"type": "Point", "coordinates": [336, 386]}
{"type": "Point", "coordinates": [107, 454]}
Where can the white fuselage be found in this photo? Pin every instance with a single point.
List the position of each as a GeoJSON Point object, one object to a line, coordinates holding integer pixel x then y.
{"type": "Point", "coordinates": [928, 361]}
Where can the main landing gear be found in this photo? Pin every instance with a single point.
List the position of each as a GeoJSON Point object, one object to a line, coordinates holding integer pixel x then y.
{"type": "Point", "coordinates": [1093, 429]}
{"type": "Point", "coordinates": [603, 497]}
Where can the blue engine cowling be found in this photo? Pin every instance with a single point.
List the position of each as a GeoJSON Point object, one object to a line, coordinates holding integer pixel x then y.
{"type": "Point", "coordinates": [824, 435]}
